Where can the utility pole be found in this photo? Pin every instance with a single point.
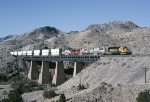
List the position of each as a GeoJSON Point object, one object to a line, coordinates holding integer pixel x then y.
{"type": "Point", "coordinates": [145, 69]}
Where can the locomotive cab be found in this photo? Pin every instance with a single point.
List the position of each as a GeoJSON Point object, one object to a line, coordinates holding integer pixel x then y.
{"type": "Point", "coordinates": [124, 50]}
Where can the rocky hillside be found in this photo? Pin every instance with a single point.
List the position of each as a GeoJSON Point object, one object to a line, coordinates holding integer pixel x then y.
{"type": "Point", "coordinates": [110, 34]}
{"type": "Point", "coordinates": [112, 70]}
{"type": "Point", "coordinates": [26, 41]}
{"type": "Point", "coordinates": [114, 33]}
{"type": "Point", "coordinates": [110, 79]}
{"type": "Point", "coordinates": [118, 72]}
{"type": "Point", "coordinates": [7, 37]}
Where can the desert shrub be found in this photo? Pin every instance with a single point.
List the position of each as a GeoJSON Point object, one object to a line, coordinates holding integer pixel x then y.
{"type": "Point", "coordinates": [104, 63]}
{"type": "Point", "coordinates": [33, 84]}
{"type": "Point", "coordinates": [40, 87]}
{"type": "Point", "coordinates": [5, 100]}
{"type": "Point", "coordinates": [81, 87]}
{"type": "Point", "coordinates": [3, 78]}
{"type": "Point", "coordinates": [62, 98]}
{"type": "Point", "coordinates": [49, 94]}
{"type": "Point", "coordinates": [26, 88]}
{"type": "Point", "coordinates": [143, 96]}
{"type": "Point", "coordinates": [14, 96]}
{"type": "Point", "coordinates": [5, 92]}
{"type": "Point", "coordinates": [123, 64]}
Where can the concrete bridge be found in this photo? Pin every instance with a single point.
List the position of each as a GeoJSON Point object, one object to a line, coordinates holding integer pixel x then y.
{"type": "Point", "coordinates": [59, 76]}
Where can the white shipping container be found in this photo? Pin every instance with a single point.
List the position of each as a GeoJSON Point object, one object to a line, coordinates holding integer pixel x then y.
{"type": "Point", "coordinates": [12, 53]}
{"type": "Point", "coordinates": [37, 52]}
{"type": "Point", "coordinates": [15, 53]}
{"type": "Point", "coordinates": [19, 53]}
{"type": "Point", "coordinates": [46, 52]}
{"type": "Point", "coordinates": [24, 53]}
{"type": "Point", "coordinates": [56, 52]}
{"type": "Point", "coordinates": [29, 53]}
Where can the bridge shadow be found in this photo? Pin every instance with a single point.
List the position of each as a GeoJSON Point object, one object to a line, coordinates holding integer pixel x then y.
{"type": "Point", "coordinates": [52, 65]}
{"type": "Point", "coordinates": [68, 71]}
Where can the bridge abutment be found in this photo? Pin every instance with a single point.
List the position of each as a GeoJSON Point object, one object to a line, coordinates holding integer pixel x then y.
{"type": "Point", "coordinates": [33, 72]}
{"type": "Point", "coordinates": [59, 76]}
{"type": "Point", "coordinates": [78, 66]}
{"type": "Point", "coordinates": [44, 77]}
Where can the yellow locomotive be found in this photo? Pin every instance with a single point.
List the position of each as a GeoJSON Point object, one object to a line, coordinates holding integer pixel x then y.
{"type": "Point", "coordinates": [122, 50]}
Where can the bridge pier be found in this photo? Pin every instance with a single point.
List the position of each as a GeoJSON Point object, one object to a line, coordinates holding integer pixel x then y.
{"type": "Point", "coordinates": [44, 77]}
{"type": "Point", "coordinates": [78, 66]}
{"type": "Point", "coordinates": [59, 76]}
{"type": "Point", "coordinates": [33, 72]}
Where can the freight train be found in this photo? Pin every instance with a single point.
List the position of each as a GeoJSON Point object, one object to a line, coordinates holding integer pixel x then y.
{"type": "Point", "coordinates": [122, 50]}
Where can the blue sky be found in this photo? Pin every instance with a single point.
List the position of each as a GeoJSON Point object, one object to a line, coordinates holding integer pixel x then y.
{"type": "Point", "coordinates": [20, 16]}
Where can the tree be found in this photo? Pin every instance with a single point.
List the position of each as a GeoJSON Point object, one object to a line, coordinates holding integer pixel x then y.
{"type": "Point", "coordinates": [143, 96]}
{"type": "Point", "coordinates": [62, 98]}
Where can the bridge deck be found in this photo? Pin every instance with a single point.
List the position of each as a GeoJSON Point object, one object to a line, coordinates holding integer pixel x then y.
{"type": "Point", "coordinates": [73, 58]}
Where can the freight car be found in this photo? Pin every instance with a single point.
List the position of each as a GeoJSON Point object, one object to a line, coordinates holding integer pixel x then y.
{"type": "Point", "coordinates": [44, 52]}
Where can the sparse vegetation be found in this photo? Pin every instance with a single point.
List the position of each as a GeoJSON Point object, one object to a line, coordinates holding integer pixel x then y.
{"type": "Point", "coordinates": [108, 62]}
{"type": "Point", "coordinates": [117, 61]}
{"type": "Point", "coordinates": [5, 93]}
{"type": "Point", "coordinates": [26, 85]}
{"type": "Point", "coordinates": [99, 63]}
{"type": "Point", "coordinates": [49, 94]}
{"type": "Point", "coordinates": [110, 59]}
{"type": "Point", "coordinates": [98, 36]}
{"type": "Point", "coordinates": [104, 63]}
{"type": "Point", "coordinates": [123, 64]}
{"type": "Point", "coordinates": [14, 96]}
{"type": "Point", "coordinates": [128, 66]}
{"type": "Point", "coordinates": [20, 87]}
{"type": "Point", "coordinates": [143, 96]}
{"type": "Point", "coordinates": [62, 98]}
{"type": "Point", "coordinates": [81, 87]}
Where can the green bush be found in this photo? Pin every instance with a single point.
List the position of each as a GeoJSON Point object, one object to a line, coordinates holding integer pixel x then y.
{"type": "Point", "coordinates": [5, 92]}
{"type": "Point", "coordinates": [49, 94]}
{"type": "Point", "coordinates": [81, 87]}
{"type": "Point", "coordinates": [27, 88]}
{"type": "Point", "coordinates": [62, 98]}
{"type": "Point", "coordinates": [32, 84]}
{"type": "Point", "coordinates": [5, 100]}
{"type": "Point", "coordinates": [143, 96]}
{"type": "Point", "coordinates": [40, 87]}
{"type": "Point", "coordinates": [14, 96]}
